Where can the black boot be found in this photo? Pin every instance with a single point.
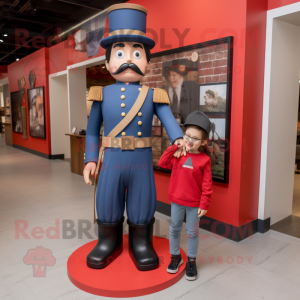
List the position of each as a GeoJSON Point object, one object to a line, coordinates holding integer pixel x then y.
{"type": "Point", "coordinates": [109, 246]}
{"type": "Point", "coordinates": [141, 248]}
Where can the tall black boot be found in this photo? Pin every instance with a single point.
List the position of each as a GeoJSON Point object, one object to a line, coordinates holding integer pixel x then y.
{"type": "Point", "coordinates": [141, 248]}
{"type": "Point", "coordinates": [109, 246]}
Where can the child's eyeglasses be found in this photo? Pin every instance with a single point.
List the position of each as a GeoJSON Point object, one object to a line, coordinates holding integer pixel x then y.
{"type": "Point", "coordinates": [189, 139]}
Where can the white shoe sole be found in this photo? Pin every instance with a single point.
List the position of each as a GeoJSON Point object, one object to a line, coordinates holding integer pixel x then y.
{"type": "Point", "coordinates": [175, 271]}
{"type": "Point", "coordinates": [191, 278]}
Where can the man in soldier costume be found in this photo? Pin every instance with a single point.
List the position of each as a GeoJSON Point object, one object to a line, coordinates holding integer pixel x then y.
{"type": "Point", "coordinates": [126, 109]}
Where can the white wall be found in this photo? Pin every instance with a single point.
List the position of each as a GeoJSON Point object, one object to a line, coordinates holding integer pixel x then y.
{"type": "Point", "coordinates": [280, 114]}
{"type": "Point", "coordinates": [59, 115]}
{"type": "Point", "coordinates": [77, 98]}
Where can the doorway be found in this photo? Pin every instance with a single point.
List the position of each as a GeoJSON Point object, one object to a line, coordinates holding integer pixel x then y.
{"type": "Point", "coordinates": [280, 120]}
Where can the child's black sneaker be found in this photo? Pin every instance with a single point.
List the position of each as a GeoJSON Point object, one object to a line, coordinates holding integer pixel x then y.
{"type": "Point", "coordinates": [191, 269]}
{"type": "Point", "coordinates": [176, 261]}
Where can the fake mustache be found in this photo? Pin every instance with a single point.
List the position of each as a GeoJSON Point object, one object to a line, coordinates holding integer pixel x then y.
{"type": "Point", "coordinates": [131, 66]}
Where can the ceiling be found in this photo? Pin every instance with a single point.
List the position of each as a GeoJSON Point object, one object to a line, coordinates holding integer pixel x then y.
{"type": "Point", "coordinates": [43, 18]}
{"type": "Point", "coordinates": [293, 18]}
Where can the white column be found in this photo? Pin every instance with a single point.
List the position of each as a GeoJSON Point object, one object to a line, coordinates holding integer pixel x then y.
{"type": "Point", "coordinates": [77, 97]}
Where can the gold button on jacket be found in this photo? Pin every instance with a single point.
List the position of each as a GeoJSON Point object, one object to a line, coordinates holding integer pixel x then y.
{"type": "Point", "coordinates": [139, 114]}
{"type": "Point", "coordinates": [123, 114]}
{"type": "Point", "coordinates": [122, 97]}
{"type": "Point", "coordinates": [122, 89]}
{"type": "Point", "coordinates": [139, 133]}
{"type": "Point", "coordinates": [140, 122]}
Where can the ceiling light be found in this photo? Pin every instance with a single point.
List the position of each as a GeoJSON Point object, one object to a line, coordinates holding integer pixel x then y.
{"type": "Point", "coordinates": [1, 41]}
{"type": "Point", "coordinates": [17, 59]}
{"type": "Point", "coordinates": [32, 7]}
{"type": "Point", "coordinates": [5, 34]}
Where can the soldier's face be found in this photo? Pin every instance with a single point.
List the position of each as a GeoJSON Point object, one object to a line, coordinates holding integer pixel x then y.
{"type": "Point", "coordinates": [130, 53]}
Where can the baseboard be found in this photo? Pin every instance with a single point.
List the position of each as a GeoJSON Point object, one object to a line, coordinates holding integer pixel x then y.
{"type": "Point", "coordinates": [225, 230]}
{"type": "Point", "coordinates": [47, 156]}
{"type": "Point", "coordinates": [263, 225]}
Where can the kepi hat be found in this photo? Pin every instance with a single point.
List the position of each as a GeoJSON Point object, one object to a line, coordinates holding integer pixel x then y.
{"type": "Point", "coordinates": [200, 119]}
{"type": "Point", "coordinates": [127, 23]}
{"type": "Point", "coordinates": [181, 66]}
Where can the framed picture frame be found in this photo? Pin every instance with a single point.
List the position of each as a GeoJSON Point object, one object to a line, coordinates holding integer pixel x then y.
{"type": "Point", "coordinates": [16, 114]}
{"type": "Point", "coordinates": [36, 112]}
{"type": "Point", "coordinates": [197, 77]}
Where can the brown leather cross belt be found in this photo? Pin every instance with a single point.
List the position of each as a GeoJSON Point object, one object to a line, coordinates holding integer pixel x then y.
{"type": "Point", "coordinates": [126, 142]}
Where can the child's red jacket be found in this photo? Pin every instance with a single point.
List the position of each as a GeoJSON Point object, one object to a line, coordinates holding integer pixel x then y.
{"type": "Point", "coordinates": [191, 180]}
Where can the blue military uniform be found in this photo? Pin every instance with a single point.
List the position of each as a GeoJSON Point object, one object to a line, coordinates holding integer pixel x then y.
{"type": "Point", "coordinates": [123, 168]}
{"type": "Point", "coordinates": [131, 169]}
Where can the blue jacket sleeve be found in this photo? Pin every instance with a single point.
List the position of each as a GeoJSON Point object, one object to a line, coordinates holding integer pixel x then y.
{"type": "Point", "coordinates": [165, 115]}
{"type": "Point", "coordinates": [93, 133]}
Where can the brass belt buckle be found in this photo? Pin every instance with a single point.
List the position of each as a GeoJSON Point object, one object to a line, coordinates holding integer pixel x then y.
{"type": "Point", "coordinates": [127, 142]}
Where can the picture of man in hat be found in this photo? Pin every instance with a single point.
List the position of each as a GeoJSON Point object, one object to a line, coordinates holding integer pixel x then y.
{"type": "Point", "coordinates": [126, 109]}
{"type": "Point", "coordinates": [183, 94]}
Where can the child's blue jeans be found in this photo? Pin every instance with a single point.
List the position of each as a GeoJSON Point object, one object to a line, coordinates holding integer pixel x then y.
{"type": "Point", "coordinates": [192, 228]}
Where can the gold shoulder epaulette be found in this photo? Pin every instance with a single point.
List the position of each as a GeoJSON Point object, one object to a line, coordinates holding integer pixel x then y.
{"type": "Point", "coordinates": [160, 96]}
{"type": "Point", "coordinates": [95, 93]}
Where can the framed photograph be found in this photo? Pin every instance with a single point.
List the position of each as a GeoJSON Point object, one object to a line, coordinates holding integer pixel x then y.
{"type": "Point", "coordinates": [213, 98]}
{"type": "Point", "coordinates": [217, 146]}
{"type": "Point", "coordinates": [196, 77]}
{"type": "Point", "coordinates": [36, 112]}
{"type": "Point", "coordinates": [16, 104]}
{"type": "Point", "coordinates": [183, 91]}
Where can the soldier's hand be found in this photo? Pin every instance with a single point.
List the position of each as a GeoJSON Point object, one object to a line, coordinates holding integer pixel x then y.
{"type": "Point", "coordinates": [181, 148]}
{"type": "Point", "coordinates": [89, 168]}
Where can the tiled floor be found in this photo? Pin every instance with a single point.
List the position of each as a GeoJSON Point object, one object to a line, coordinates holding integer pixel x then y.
{"type": "Point", "coordinates": [39, 191]}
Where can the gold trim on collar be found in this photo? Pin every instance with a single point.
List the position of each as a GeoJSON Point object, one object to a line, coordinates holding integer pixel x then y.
{"type": "Point", "coordinates": [128, 6]}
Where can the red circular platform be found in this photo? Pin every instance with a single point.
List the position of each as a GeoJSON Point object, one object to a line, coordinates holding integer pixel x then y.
{"type": "Point", "coordinates": [121, 278]}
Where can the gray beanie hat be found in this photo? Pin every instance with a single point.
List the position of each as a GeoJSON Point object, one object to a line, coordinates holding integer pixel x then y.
{"type": "Point", "coordinates": [200, 119]}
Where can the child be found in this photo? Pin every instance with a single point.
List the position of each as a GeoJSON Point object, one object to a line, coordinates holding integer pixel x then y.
{"type": "Point", "coordinates": [190, 189]}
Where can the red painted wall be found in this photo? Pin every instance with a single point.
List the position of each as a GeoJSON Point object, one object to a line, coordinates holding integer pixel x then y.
{"type": "Point", "coordinates": [236, 202]}
{"type": "Point", "coordinates": [58, 55]}
{"type": "Point", "coordinates": [279, 3]}
{"type": "Point", "coordinates": [39, 61]}
{"type": "Point", "coordinates": [252, 109]}
{"type": "Point", "coordinates": [3, 72]}
{"type": "Point", "coordinates": [207, 21]}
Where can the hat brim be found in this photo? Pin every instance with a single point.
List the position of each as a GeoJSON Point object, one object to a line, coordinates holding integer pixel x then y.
{"type": "Point", "coordinates": [127, 38]}
{"type": "Point", "coordinates": [193, 124]}
{"type": "Point", "coordinates": [176, 70]}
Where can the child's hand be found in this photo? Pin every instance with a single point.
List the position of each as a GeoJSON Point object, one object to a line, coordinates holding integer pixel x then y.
{"type": "Point", "coordinates": [181, 148]}
{"type": "Point", "coordinates": [201, 212]}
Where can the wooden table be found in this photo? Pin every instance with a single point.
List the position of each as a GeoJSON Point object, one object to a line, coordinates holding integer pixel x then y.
{"type": "Point", "coordinates": [8, 133]}
{"type": "Point", "coordinates": [77, 147]}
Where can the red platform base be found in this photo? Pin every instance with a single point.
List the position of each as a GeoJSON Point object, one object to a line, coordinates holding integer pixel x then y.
{"type": "Point", "coordinates": [121, 278]}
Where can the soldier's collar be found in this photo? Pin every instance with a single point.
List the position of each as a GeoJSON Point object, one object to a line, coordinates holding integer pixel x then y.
{"type": "Point", "coordinates": [128, 83]}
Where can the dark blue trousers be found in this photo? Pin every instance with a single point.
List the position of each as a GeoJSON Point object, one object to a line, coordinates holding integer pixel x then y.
{"type": "Point", "coordinates": [131, 169]}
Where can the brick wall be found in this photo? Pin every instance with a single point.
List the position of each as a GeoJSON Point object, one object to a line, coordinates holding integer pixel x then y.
{"type": "Point", "coordinates": [212, 66]}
